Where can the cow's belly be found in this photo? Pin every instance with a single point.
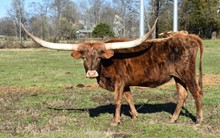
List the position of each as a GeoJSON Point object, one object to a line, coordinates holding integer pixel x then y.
{"type": "Point", "coordinates": [152, 76]}
{"type": "Point", "coordinates": [153, 82]}
{"type": "Point", "coordinates": [109, 84]}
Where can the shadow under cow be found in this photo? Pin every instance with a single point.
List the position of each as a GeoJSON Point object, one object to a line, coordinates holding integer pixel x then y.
{"type": "Point", "coordinates": [142, 108]}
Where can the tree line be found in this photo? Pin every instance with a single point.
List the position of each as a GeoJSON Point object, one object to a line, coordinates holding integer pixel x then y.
{"type": "Point", "coordinates": [60, 19]}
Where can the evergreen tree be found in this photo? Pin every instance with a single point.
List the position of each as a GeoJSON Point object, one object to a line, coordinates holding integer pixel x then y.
{"type": "Point", "coordinates": [200, 17]}
{"type": "Point", "coordinates": [102, 30]}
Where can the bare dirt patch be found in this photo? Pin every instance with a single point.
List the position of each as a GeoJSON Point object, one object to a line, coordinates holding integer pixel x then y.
{"type": "Point", "coordinates": [208, 79]}
{"type": "Point", "coordinates": [211, 79]}
{"type": "Point", "coordinates": [14, 89]}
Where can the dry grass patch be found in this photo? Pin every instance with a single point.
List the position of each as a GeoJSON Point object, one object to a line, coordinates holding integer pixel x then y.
{"type": "Point", "coordinates": [211, 79]}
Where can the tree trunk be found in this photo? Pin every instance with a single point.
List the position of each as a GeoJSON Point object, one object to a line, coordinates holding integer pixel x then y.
{"type": "Point", "coordinates": [155, 7]}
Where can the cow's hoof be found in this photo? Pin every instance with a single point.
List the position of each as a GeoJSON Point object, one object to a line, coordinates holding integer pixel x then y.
{"type": "Point", "coordinates": [198, 122]}
{"type": "Point", "coordinates": [173, 121]}
{"type": "Point", "coordinates": [114, 123]}
{"type": "Point", "coordinates": [134, 117]}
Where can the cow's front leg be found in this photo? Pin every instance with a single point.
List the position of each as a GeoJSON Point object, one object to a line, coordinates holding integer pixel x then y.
{"type": "Point", "coordinates": [119, 88]}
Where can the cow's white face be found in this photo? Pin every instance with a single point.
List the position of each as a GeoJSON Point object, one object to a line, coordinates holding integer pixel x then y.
{"type": "Point", "coordinates": [92, 54]}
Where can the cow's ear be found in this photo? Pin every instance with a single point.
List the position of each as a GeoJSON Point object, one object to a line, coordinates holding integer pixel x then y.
{"type": "Point", "coordinates": [76, 54]}
{"type": "Point", "coordinates": [107, 54]}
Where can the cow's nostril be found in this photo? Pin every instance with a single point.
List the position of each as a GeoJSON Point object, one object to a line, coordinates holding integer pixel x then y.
{"type": "Point", "coordinates": [91, 73]}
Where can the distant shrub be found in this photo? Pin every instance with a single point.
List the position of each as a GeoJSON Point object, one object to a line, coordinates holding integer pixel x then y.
{"type": "Point", "coordinates": [102, 30]}
{"type": "Point", "coordinates": [13, 43]}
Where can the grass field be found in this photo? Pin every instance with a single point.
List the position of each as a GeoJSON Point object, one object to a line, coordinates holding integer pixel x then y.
{"type": "Point", "coordinates": [44, 93]}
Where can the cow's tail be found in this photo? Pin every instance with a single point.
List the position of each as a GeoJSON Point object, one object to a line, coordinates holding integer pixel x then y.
{"type": "Point", "coordinates": [201, 46]}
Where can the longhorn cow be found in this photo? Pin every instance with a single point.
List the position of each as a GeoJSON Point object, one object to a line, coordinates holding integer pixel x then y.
{"type": "Point", "coordinates": [171, 33]}
{"type": "Point", "coordinates": [121, 63]}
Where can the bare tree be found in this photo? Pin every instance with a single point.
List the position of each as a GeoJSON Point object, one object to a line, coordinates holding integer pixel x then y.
{"type": "Point", "coordinates": [18, 14]}
{"type": "Point", "coordinates": [108, 14]}
{"type": "Point", "coordinates": [162, 9]}
{"type": "Point", "coordinates": [94, 12]}
{"type": "Point", "coordinates": [84, 15]}
{"type": "Point", "coordinates": [121, 9]}
{"type": "Point", "coordinates": [128, 11]}
{"type": "Point", "coordinates": [153, 14]}
{"type": "Point", "coordinates": [118, 26]}
{"type": "Point", "coordinates": [39, 18]}
{"type": "Point", "coordinates": [7, 27]}
{"type": "Point", "coordinates": [63, 17]}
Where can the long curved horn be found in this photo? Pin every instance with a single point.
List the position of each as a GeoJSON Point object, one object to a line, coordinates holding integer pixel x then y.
{"type": "Point", "coordinates": [133, 43]}
{"type": "Point", "coordinates": [57, 46]}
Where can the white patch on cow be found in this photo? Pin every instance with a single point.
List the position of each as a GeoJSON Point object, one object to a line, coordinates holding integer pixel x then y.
{"type": "Point", "coordinates": [92, 74]}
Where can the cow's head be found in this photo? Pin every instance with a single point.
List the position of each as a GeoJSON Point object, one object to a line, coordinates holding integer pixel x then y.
{"type": "Point", "coordinates": [92, 52]}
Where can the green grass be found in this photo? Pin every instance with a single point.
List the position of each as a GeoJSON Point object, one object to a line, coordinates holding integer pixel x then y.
{"type": "Point", "coordinates": [212, 56]}
{"type": "Point", "coordinates": [40, 68]}
{"type": "Point", "coordinates": [40, 97]}
{"type": "Point", "coordinates": [159, 130]}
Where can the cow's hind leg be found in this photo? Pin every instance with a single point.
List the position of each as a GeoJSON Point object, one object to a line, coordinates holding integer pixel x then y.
{"type": "Point", "coordinates": [182, 95]}
{"type": "Point", "coordinates": [128, 97]}
{"type": "Point", "coordinates": [197, 94]}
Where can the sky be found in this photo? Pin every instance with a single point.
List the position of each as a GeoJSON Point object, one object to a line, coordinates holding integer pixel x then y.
{"type": "Point", "coordinates": [6, 4]}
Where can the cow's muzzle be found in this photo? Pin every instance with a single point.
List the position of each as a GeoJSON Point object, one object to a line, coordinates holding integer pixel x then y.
{"type": "Point", "coordinates": [92, 74]}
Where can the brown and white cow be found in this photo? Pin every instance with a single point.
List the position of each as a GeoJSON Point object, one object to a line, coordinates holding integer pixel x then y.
{"type": "Point", "coordinates": [171, 33]}
{"type": "Point", "coordinates": [119, 64]}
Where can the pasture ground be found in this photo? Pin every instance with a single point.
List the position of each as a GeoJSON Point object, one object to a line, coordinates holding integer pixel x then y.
{"type": "Point", "coordinates": [44, 93]}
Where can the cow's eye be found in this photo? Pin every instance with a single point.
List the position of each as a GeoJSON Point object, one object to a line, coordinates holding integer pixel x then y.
{"type": "Point", "coordinates": [84, 58]}
{"type": "Point", "coordinates": [98, 59]}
